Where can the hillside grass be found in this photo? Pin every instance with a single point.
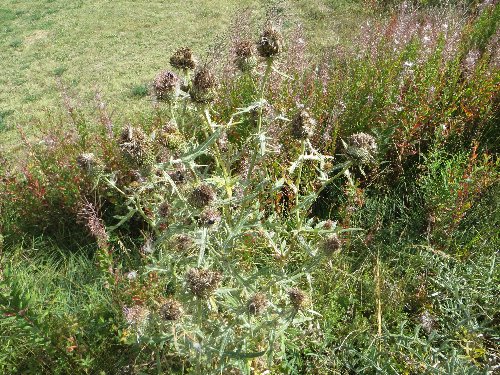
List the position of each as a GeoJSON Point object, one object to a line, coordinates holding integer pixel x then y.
{"type": "Point", "coordinates": [115, 47]}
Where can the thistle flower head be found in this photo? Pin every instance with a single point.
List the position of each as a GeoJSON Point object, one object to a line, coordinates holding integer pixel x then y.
{"type": "Point", "coordinates": [270, 42]}
{"type": "Point", "coordinates": [179, 175]}
{"type": "Point", "coordinates": [183, 59]}
{"type": "Point", "coordinates": [171, 310]}
{"type": "Point", "coordinates": [136, 316]}
{"type": "Point", "coordinates": [209, 217]}
{"type": "Point", "coordinates": [361, 148]}
{"type": "Point", "coordinates": [166, 86]}
{"type": "Point", "coordinates": [204, 85]}
{"type": "Point", "coordinates": [89, 163]}
{"type": "Point", "coordinates": [164, 209]}
{"type": "Point", "coordinates": [331, 244]}
{"type": "Point", "coordinates": [257, 304]}
{"type": "Point", "coordinates": [135, 146]}
{"type": "Point", "coordinates": [245, 56]}
{"type": "Point", "coordinates": [182, 242]}
{"type": "Point", "coordinates": [202, 196]}
{"type": "Point", "coordinates": [303, 125]}
{"type": "Point", "coordinates": [170, 137]}
{"type": "Point", "coordinates": [202, 282]}
{"type": "Point", "coordinates": [427, 321]}
{"type": "Point", "coordinates": [297, 297]}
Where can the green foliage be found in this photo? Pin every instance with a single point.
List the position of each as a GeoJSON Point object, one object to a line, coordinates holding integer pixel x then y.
{"type": "Point", "coordinates": [318, 216]}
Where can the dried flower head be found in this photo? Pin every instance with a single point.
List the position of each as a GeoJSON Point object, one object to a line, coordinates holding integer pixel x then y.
{"type": "Point", "coordinates": [427, 321]}
{"type": "Point", "coordinates": [331, 244]}
{"type": "Point", "coordinates": [257, 304]}
{"type": "Point", "coordinates": [202, 282]}
{"type": "Point", "coordinates": [303, 125]}
{"type": "Point", "coordinates": [270, 43]}
{"type": "Point", "coordinates": [209, 217]}
{"type": "Point", "coordinates": [89, 214]}
{"type": "Point", "coordinates": [245, 59]}
{"type": "Point", "coordinates": [328, 224]}
{"type": "Point", "coordinates": [136, 147]}
{"type": "Point", "coordinates": [164, 209]}
{"type": "Point", "coordinates": [166, 86]}
{"type": "Point", "coordinates": [170, 137]}
{"type": "Point", "coordinates": [361, 148]}
{"type": "Point", "coordinates": [297, 297]}
{"type": "Point", "coordinates": [171, 310]}
{"type": "Point", "coordinates": [204, 85]}
{"type": "Point", "coordinates": [183, 59]}
{"type": "Point", "coordinates": [89, 163]}
{"type": "Point", "coordinates": [179, 175]}
{"type": "Point", "coordinates": [136, 316]}
{"type": "Point", "coordinates": [182, 242]}
{"type": "Point", "coordinates": [202, 196]}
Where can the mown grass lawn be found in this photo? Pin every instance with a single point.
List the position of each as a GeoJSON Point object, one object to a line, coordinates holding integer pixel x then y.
{"type": "Point", "coordinates": [116, 47]}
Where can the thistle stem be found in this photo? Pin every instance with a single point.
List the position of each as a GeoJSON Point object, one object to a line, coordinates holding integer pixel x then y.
{"type": "Point", "coordinates": [297, 185]}
{"type": "Point", "coordinates": [269, 65]}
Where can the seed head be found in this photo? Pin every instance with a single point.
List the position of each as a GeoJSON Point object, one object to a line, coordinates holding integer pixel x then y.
{"type": "Point", "coordinates": [136, 147]}
{"type": "Point", "coordinates": [245, 56]}
{"type": "Point", "coordinates": [427, 321]}
{"type": "Point", "coordinates": [183, 59]}
{"type": "Point", "coordinates": [166, 86]}
{"type": "Point", "coordinates": [270, 43]}
{"type": "Point", "coordinates": [89, 163]}
{"type": "Point", "coordinates": [171, 310]}
{"type": "Point", "coordinates": [202, 283]}
{"type": "Point", "coordinates": [303, 125]}
{"type": "Point", "coordinates": [170, 137]}
{"type": "Point", "coordinates": [136, 316]}
{"type": "Point", "coordinates": [331, 244]}
{"type": "Point", "coordinates": [361, 148]}
{"type": "Point", "coordinates": [209, 217]}
{"type": "Point", "coordinates": [164, 209]}
{"type": "Point", "coordinates": [328, 224]}
{"type": "Point", "coordinates": [182, 242]}
{"type": "Point", "coordinates": [202, 196]}
{"type": "Point", "coordinates": [257, 304]}
{"type": "Point", "coordinates": [297, 297]}
{"type": "Point", "coordinates": [204, 85]}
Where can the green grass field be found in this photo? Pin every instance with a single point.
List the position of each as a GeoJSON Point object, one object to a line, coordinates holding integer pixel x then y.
{"type": "Point", "coordinates": [116, 47]}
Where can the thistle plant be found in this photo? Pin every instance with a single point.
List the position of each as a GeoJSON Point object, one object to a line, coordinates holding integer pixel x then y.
{"type": "Point", "coordinates": [201, 204]}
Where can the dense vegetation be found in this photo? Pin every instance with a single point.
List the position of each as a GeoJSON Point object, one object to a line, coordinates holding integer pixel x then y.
{"type": "Point", "coordinates": [272, 211]}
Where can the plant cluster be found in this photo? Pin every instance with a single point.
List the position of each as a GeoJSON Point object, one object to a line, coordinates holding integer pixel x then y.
{"type": "Point", "coordinates": [331, 219]}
